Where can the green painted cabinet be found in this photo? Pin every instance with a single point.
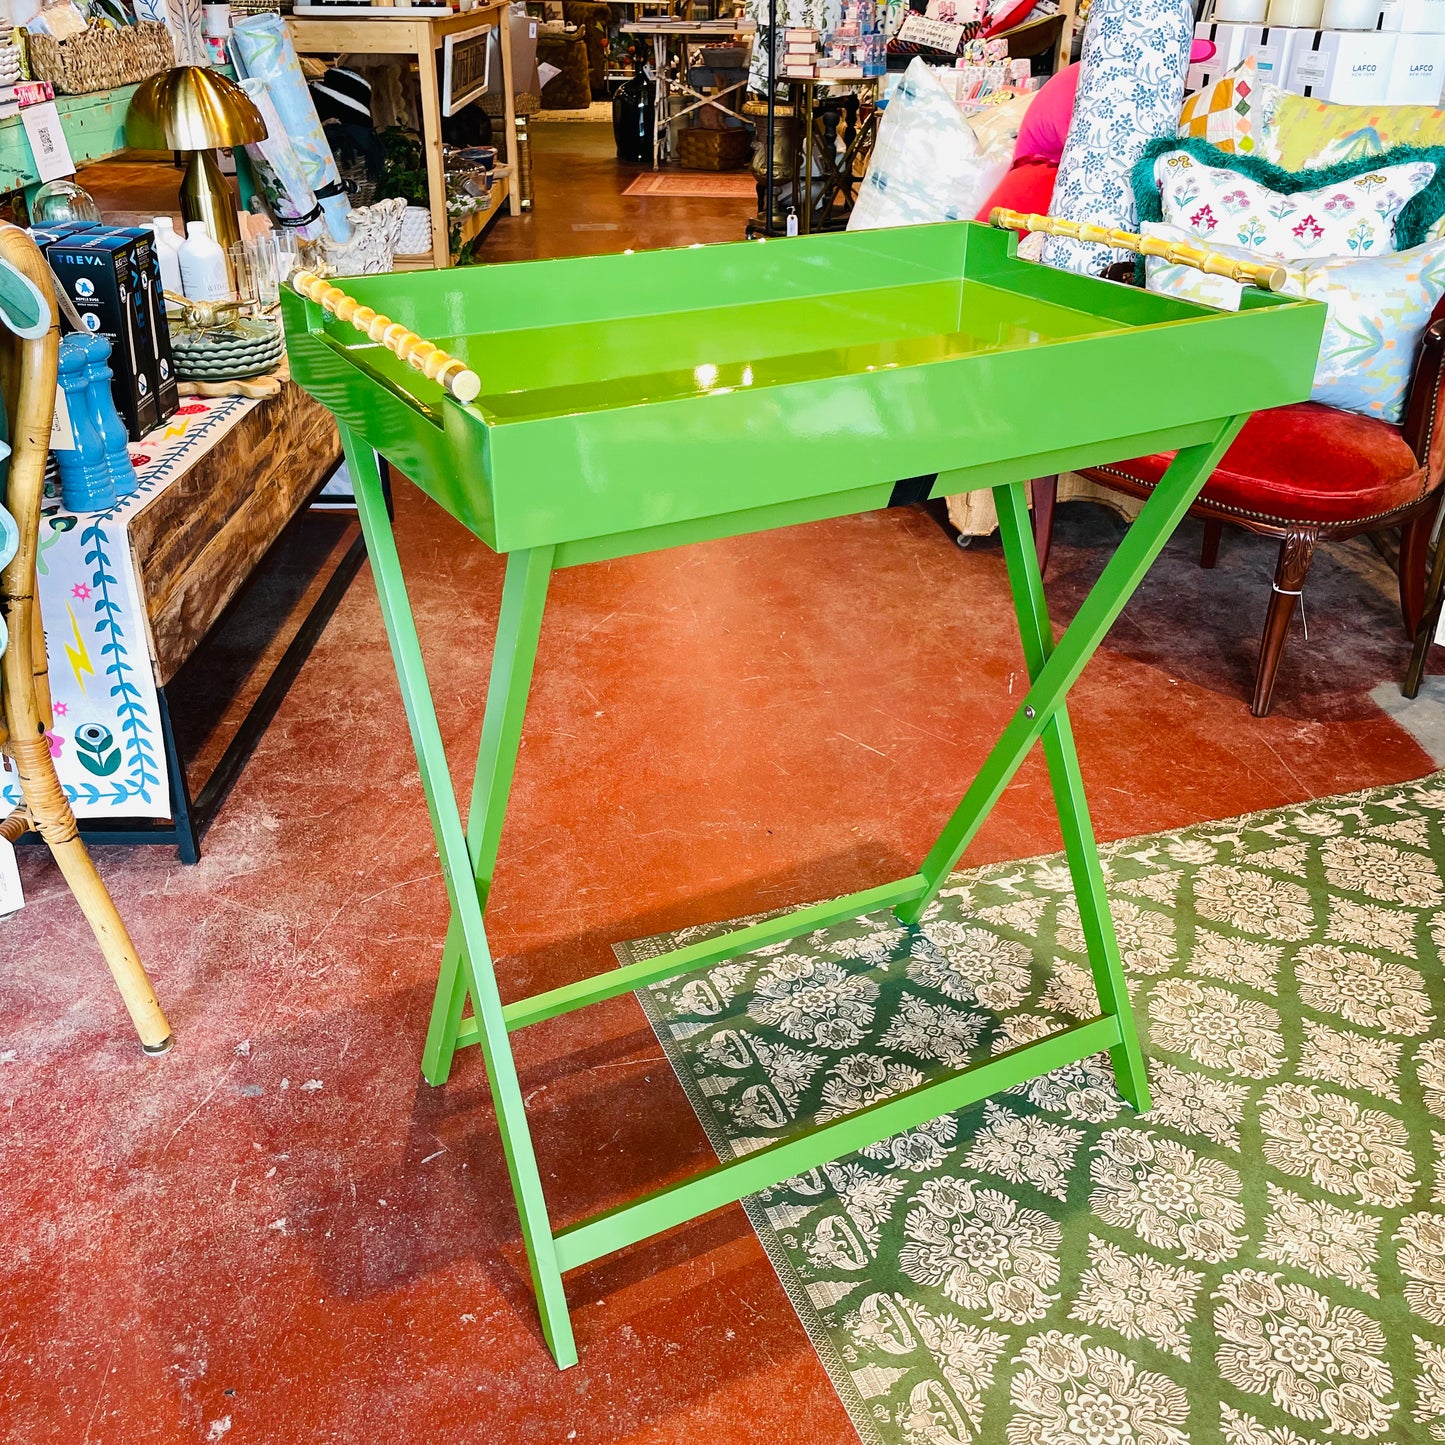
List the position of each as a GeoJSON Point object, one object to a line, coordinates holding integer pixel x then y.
{"type": "Point", "coordinates": [94, 126]}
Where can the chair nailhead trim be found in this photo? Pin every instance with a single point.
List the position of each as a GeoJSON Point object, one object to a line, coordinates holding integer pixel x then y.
{"type": "Point", "coordinates": [1265, 516]}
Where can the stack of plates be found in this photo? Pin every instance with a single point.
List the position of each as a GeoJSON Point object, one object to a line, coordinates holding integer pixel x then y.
{"type": "Point", "coordinates": [247, 348]}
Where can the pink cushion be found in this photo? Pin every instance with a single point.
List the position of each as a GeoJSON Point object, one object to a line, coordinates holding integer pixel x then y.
{"type": "Point", "coordinates": [1305, 463]}
{"type": "Point", "coordinates": [1046, 122]}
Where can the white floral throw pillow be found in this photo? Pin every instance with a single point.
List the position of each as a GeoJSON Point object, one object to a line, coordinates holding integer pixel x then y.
{"type": "Point", "coordinates": [1354, 217]}
{"type": "Point", "coordinates": [1377, 305]}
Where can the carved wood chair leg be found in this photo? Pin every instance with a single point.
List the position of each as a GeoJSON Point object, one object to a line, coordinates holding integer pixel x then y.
{"type": "Point", "coordinates": [1045, 494]}
{"type": "Point", "coordinates": [1209, 553]}
{"type": "Point", "coordinates": [1414, 554]}
{"type": "Point", "coordinates": [1296, 553]}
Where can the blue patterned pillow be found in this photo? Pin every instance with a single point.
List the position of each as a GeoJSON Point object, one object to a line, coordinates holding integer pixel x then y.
{"type": "Point", "coordinates": [1378, 306]}
{"type": "Point", "coordinates": [1131, 90]}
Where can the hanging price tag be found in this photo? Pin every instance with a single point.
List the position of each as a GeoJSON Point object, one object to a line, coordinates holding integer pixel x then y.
{"type": "Point", "coordinates": [47, 141]}
{"type": "Point", "coordinates": [62, 434]}
{"type": "Point", "coordinates": [12, 896]}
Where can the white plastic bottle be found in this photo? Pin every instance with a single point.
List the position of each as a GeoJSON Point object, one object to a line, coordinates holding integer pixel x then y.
{"type": "Point", "coordinates": [203, 266]}
{"type": "Point", "coordinates": [168, 246]}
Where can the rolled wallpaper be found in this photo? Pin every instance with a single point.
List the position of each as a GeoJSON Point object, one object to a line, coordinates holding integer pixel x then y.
{"type": "Point", "coordinates": [262, 51]}
{"type": "Point", "coordinates": [279, 173]}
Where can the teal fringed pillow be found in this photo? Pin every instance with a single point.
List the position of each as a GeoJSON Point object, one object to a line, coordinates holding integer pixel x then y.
{"type": "Point", "coordinates": [1371, 205]}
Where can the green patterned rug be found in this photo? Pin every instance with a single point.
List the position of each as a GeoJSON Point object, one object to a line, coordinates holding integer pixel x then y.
{"type": "Point", "coordinates": [1258, 1261]}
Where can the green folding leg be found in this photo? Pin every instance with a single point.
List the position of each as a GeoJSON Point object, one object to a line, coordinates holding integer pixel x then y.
{"type": "Point", "coordinates": [469, 857]}
{"type": "Point", "coordinates": [524, 594]}
{"type": "Point", "coordinates": [1171, 499]}
{"type": "Point", "coordinates": [470, 953]}
{"type": "Point", "coordinates": [1080, 847]}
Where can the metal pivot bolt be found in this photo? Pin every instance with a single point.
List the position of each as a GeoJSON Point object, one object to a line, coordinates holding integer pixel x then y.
{"type": "Point", "coordinates": [1029, 712]}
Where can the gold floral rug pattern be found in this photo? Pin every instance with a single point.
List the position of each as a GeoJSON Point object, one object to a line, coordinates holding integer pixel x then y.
{"type": "Point", "coordinates": [696, 185]}
{"type": "Point", "coordinates": [1260, 1260]}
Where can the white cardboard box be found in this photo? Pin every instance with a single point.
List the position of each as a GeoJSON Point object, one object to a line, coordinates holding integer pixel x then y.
{"type": "Point", "coordinates": [1228, 41]}
{"type": "Point", "coordinates": [1346, 67]}
{"type": "Point", "coordinates": [1271, 46]}
{"type": "Point", "coordinates": [1420, 17]}
{"type": "Point", "coordinates": [1417, 75]}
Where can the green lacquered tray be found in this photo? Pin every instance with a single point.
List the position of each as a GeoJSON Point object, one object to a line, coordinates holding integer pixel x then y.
{"type": "Point", "coordinates": [643, 391]}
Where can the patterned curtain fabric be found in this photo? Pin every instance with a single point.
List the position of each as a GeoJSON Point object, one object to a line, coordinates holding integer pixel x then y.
{"type": "Point", "coordinates": [9, 545]}
{"type": "Point", "coordinates": [1131, 90]}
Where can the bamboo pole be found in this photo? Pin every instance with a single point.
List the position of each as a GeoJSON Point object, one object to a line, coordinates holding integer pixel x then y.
{"type": "Point", "coordinates": [1255, 273]}
{"type": "Point", "coordinates": [415, 350]}
{"type": "Point", "coordinates": [29, 373]}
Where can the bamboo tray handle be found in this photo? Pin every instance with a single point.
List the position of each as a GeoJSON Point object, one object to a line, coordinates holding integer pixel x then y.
{"type": "Point", "coordinates": [1266, 277]}
{"type": "Point", "coordinates": [415, 350]}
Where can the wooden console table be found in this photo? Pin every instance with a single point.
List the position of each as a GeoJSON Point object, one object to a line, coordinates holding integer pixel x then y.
{"type": "Point", "coordinates": [395, 33]}
{"type": "Point", "coordinates": [195, 546]}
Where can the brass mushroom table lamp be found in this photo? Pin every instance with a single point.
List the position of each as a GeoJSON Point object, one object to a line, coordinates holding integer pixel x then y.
{"type": "Point", "coordinates": [194, 109]}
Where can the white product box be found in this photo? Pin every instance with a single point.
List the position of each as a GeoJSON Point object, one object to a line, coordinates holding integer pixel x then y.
{"type": "Point", "coordinates": [1271, 46]}
{"type": "Point", "coordinates": [1347, 67]}
{"type": "Point", "coordinates": [1419, 17]}
{"type": "Point", "coordinates": [1228, 42]}
{"type": "Point", "coordinates": [1198, 76]}
{"type": "Point", "coordinates": [1417, 75]}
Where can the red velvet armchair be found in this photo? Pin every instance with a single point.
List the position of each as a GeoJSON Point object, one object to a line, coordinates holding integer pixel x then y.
{"type": "Point", "coordinates": [1306, 472]}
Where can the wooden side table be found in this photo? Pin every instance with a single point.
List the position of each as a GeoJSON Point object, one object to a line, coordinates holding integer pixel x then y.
{"type": "Point", "coordinates": [395, 33]}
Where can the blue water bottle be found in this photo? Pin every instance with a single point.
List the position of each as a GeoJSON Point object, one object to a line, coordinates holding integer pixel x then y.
{"type": "Point", "coordinates": [85, 481]}
{"type": "Point", "coordinates": [106, 417]}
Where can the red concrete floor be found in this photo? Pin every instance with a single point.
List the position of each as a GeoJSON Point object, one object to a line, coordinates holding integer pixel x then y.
{"type": "Point", "coordinates": [278, 1233]}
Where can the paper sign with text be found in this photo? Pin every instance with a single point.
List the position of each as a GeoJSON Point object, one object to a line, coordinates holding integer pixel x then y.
{"type": "Point", "coordinates": [47, 141]}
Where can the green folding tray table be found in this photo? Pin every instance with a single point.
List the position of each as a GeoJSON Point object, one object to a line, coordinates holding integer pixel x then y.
{"type": "Point", "coordinates": [638, 401]}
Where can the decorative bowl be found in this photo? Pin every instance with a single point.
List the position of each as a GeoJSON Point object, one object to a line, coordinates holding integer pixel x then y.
{"type": "Point", "coordinates": [229, 353]}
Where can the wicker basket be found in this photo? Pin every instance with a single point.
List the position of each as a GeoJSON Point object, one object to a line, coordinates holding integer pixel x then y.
{"type": "Point", "coordinates": [723, 57]}
{"type": "Point", "coordinates": [714, 150]}
{"type": "Point", "coordinates": [101, 59]}
{"type": "Point", "coordinates": [357, 180]}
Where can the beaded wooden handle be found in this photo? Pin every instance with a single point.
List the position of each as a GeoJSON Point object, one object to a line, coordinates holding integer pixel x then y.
{"type": "Point", "coordinates": [1266, 277]}
{"type": "Point", "coordinates": [415, 350]}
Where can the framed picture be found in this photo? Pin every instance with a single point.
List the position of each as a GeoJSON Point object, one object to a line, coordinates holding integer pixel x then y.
{"type": "Point", "coordinates": [465, 67]}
